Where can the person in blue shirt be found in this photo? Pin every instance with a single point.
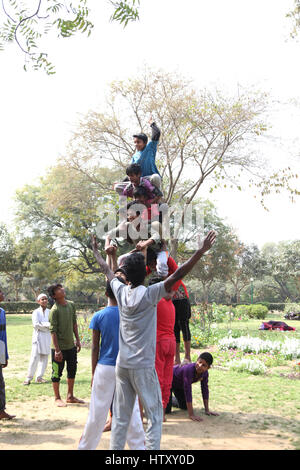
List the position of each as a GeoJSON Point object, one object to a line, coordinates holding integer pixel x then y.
{"type": "Point", "coordinates": [145, 156]}
{"type": "Point", "coordinates": [3, 361]}
{"type": "Point", "coordinates": [105, 325]}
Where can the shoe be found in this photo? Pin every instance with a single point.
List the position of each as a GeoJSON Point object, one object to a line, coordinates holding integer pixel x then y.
{"type": "Point", "coordinates": [26, 382]}
{"type": "Point", "coordinates": [41, 381]}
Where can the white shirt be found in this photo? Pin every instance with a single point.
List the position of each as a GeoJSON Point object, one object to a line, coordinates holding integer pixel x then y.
{"type": "Point", "coordinates": [41, 332]}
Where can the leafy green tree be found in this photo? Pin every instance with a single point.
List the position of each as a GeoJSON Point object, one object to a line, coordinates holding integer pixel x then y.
{"type": "Point", "coordinates": [282, 268]}
{"type": "Point", "coordinates": [219, 262]}
{"type": "Point", "coordinates": [247, 264]}
{"type": "Point", "coordinates": [27, 24]}
{"type": "Point", "coordinates": [65, 207]}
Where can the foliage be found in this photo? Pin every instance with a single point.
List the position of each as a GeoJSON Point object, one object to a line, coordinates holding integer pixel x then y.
{"type": "Point", "coordinates": [252, 311]}
{"type": "Point", "coordinates": [26, 26]}
{"type": "Point", "coordinates": [291, 307]}
{"type": "Point", "coordinates": [295, 16]}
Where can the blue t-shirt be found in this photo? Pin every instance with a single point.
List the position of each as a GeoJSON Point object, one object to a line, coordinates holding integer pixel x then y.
{"type": "Point", "coordinates": [107, 322]}
{"type": "Point", "coordinates": [146, 159]}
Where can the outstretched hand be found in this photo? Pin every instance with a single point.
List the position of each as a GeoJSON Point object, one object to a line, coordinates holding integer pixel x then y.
{"type": "Point", "coordinates": [151, 120]}
{"type": "Point", "coordinates": [206, 244]}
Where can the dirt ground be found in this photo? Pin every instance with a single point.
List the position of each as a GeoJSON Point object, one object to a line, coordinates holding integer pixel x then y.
{"type": "Point", "coordinates": [43, 426]}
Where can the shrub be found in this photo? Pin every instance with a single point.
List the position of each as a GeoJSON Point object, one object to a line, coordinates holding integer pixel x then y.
{"type": "Point", "coordinates": [28, 307]}
{"type": "Point", "coordinates": [258, 311]}
{"type": "Point", "coordinates": [291, 307]}
{"type": "Point", "coordinates": [243, 310]}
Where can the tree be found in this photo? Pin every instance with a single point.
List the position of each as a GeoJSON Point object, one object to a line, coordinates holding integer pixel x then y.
{"type": "Point", "coordinates": [206, 137]}
{"type": "Point", "coordinates": [65, 208]}
{"type": "Point", "coordinates": [295, 16]}
{"type": "Point", "coordinates": [27, 25]}
{"type": "Point", "coordinates": [282, 268]}
{"type": "Point", "coordinates": [218, 263]}
{"type": "Point", "coordinates": [12, 260]}
{"type": "Point", "coordinates": [247, 265]}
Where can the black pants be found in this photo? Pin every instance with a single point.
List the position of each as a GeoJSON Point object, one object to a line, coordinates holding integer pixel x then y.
{"type": "Point", "coordinates": [69, 357]}
{"type": "Point", "coordinates": [2, 391]}
{"type": "Point", "coordinates": [180, 396]}
{"type": "Point", "coordinates": [182, 316]}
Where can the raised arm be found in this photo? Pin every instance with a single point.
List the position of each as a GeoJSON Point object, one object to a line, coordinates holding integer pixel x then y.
{"type": "Point", "coordinates": [186, 267]}
{"type": "Point", "coordinates": [155, 130]}
{"type": "Point", "coordinates": [105, 269]}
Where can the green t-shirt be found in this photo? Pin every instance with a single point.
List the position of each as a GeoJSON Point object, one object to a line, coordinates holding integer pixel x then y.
{"type": "Point", "coordinates": [62, 319]}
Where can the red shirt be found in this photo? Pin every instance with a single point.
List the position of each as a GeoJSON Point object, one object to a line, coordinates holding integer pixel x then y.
{"type": "Point", "coordinates": [172, 265]}
{"type": "Point", "coordinates": [165, 319]}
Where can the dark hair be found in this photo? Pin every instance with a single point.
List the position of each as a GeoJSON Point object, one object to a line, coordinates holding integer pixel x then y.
{"type": "Point", "coordinates": [207, 357]}
{"type": "Point", "coordinates": [109, 292]}
{"type": "Point", "coordinates": [155, 280]}
{"type": "Point", "coordinates": [151, 256]}
{"type": "Point", "coordinates": [135, 268]}
{"type": "Point", "coordinates": [134, 169]}
{"type": "Point", "coordinates": [131, 205]}
{"type": "Point", "coordinates": [140, 191]}
{"type": "Point", "coordinates": [52, 289]}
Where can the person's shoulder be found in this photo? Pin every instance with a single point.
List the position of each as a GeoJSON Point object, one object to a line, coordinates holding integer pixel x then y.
{"type": "Point", "coordinates": [2, 310]}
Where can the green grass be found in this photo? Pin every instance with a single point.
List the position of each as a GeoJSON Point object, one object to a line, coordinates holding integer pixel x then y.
{"type": "Point", "coordinates": [265, 402]}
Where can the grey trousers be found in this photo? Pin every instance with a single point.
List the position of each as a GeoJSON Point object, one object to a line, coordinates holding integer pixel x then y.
{"type": "Point", "coordinates": [2, 391]}
{"type": "Point", "coordinates": [145, 384]}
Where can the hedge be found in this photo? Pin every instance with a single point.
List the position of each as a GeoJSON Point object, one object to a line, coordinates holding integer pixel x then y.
{"type": "Point", "coordinates": [28, 307]}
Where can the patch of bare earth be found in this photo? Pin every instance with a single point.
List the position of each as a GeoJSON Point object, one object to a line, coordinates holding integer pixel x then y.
{"type": "Point", "coordinates": [48, 427]}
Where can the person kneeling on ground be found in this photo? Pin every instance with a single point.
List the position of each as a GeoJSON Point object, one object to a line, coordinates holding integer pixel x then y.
{"type": "Point", "coordinates": [183, 378]}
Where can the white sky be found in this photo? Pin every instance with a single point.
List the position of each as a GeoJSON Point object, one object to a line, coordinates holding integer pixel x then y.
{"type": "Point", "coordinates": [215, 42]}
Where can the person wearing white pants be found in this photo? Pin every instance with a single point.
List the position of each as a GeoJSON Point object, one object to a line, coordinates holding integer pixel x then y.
{"type": "Point", "coordinates": [105, 324]}
{"type": "Point", "coordinates": [41, 341]}
{"type": "Point", "coordinates": [103, 389]}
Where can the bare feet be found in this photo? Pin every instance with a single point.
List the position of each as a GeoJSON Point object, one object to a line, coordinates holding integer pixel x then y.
{"type": "Point", "coordinates": [74, 400]}
{"type": "Point", "coordinates": [60, 403]}
{"type": "Point", "coordinates": [4, 415]}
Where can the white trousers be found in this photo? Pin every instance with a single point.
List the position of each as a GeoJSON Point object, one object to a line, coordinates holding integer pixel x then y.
{"type": "Point", "coordinates": [103, 389]}
{"type": "Point", "coordinates": [37, 360]}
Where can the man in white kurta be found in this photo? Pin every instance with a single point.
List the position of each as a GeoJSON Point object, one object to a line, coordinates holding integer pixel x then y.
{"type": "Point", "coordinates": [41, 341]}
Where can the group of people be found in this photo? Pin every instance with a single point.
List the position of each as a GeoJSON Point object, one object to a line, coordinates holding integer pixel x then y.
{"type": "Point", "coordinates": [136, 365]}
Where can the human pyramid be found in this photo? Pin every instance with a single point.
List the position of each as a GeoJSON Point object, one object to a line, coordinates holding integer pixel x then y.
{"type": "Point", "coordinates": [136, 339]}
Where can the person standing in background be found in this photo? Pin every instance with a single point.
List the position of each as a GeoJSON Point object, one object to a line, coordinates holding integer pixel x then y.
{"type": "Point", "coordinates": [41, 341]}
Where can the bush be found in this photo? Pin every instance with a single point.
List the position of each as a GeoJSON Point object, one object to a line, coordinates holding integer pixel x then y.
{"type": "Point", "coordinates": [29, 307]}
{"type": "Point", "coordinates": [258, 311]}
{"type": "Point", "coordinates": [291, 307]}
{"type": "Point", "coordinates": [243, 310]}
{"type": "Point", "coordinates": [19, 307]}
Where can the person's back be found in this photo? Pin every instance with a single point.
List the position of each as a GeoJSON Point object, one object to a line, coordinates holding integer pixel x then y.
{"type": "Point", "coordinates": [165, 319]}
{"type": "Point", "coordinates": [137, 308]}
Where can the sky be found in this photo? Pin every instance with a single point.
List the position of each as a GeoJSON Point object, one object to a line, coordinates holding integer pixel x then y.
{"type": "Point", "coordinates": [219, 43]}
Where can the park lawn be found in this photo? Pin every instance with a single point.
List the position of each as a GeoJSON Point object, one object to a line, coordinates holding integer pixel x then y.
{"type": "Point", "coordinates": [266, 403]}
